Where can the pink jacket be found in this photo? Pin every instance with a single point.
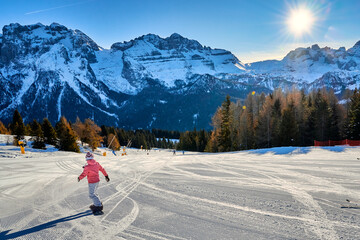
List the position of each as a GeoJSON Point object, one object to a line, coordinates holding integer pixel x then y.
{"type": "Point", "coordinates": [91, 170]}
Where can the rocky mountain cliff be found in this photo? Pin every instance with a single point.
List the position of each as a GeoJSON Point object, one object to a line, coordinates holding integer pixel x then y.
{"type": "Point", "coordinates": [317, 67]}
{"type": "Point", "coordinates": [148, 82]}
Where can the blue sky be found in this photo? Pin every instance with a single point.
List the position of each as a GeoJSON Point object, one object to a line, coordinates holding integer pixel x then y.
{"type": "Point", "coordinates": [253, 30]}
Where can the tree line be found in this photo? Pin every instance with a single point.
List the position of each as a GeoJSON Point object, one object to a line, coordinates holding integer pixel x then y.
{"type": "Point", "coordinates": [290, 118]}
{"type": "Point", "coordinates": [159, 133]}
{"type": "Point", "coordinates": [65, 135]}
{"type": "Point", "coordinates": [140, 138]}
{"type": "Point", "coordinates": [284, 119]}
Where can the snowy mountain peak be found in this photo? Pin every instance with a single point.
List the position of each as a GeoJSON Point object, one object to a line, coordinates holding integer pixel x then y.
{"type": "Point", "coordinates": [175, 42]}
{"type": "Point", "coordinates": [313, 64]}
{"type": "Point", "coordinates": [172, 60]}
{"type": "Point", "coordinates": [316, 53]}
{"type": "Point", "coordinates": [315, 47]}
{"type": "Point", "coordinates": [355, 50]}
{"type": "Point", "coordinates": [37, 34]}
{"type": "Point", "coordinates": [58, 27]}
{"type": "Point", "coordinates": [19, 41]}
{"type": "Point", "coordinates": [150, 37]}
{"type": "Point", "coordinates": [81, 39]}
{"type": "Point", "coordinates": [21, 30]}
{"type": "Point", "coordinates": [176, 35]}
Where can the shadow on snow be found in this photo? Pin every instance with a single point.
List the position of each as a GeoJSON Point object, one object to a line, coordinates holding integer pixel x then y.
{"type": "Point", "coordinates": [276, 150]}
{"type": "Point", "coordinates": [295, 150]}
{"type": "Point", "coordinates": [5, 234]}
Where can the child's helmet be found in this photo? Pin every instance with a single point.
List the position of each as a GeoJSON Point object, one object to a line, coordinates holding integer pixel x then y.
{"type": "Point", "coordinates": [89, 156]}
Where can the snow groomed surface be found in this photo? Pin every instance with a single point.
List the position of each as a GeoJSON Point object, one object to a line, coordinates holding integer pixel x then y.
{"type": "Point", "coordinates": [279, 193]}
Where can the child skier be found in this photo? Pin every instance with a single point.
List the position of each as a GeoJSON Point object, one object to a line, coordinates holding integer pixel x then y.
{"type": "Point", "coordinates": [91, 170]}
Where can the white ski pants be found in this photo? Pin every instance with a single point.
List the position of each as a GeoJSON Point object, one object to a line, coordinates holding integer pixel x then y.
{"type": "Point", "coordinates": [93, 193]}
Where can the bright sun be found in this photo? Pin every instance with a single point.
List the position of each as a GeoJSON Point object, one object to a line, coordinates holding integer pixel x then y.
{"type": "Point", "coordinates": [300, 21]}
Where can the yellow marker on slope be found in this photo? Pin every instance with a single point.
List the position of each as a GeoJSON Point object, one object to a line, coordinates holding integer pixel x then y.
{"type": "Point", "coordinates": [22, 148]}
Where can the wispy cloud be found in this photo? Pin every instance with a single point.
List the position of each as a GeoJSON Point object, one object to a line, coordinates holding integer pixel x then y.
{"type": "Point", "coordinates": [54, 8]}
{"type": "Point", "coordinates": [331, 34]}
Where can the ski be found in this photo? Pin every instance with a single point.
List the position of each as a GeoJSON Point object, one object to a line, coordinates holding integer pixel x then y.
{"type": "Point", "coordinates": [97, 210]}
{"type": "Point", "coordinates": [354, 206]}
{"type": "Point", "coordinates": [97, 213]}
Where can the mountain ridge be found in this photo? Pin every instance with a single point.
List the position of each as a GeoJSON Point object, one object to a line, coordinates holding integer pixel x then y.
{"type": "Point", "coordinates": [148, 82]}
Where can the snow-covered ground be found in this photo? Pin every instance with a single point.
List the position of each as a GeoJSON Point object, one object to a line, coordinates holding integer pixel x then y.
{"type": "Point", "coordinates": [280, 193]}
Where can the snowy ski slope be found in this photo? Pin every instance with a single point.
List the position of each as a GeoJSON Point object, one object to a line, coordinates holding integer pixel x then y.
{"type": "Point", "coordinates": [279, 193]}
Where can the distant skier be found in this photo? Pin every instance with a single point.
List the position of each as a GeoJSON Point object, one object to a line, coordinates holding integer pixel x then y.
{"type": "Point", "coordinates": [91, 170]}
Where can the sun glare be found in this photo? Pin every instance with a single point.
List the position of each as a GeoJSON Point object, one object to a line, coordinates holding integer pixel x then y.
{"type": "Point", "coordinates": [300, 21]}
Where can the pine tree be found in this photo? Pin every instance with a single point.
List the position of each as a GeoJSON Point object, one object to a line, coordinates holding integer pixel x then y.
{"type": "Point", "coordinates": [38, 135]}
{"type": "Point", "coordinates": [309, 127]}
{"type": "Point", "coordinates": [122, 137]}
{"type": "Point", "coordinates": [243, 130]}
{"type": "Point", "coordinates": [105, 134]}
{"type": "Point", "coordinates": [250, 121]}
{"type": "Point", "coordinates": [202, 140]}
{"type": "Point", "coordinates": [347, 97]}
{"type": "Point", "coordinates": [276, 123]}
{"type": "Point", "coordinates": [354, 116]}
{"type": "Point", "coordinates": [299, 100]}
{"type": "Point", "coordinates": [141, 140]}
{"type": "Point", "coordinates": [224, 137]}
{"type": "Point", "coordinates": [334, 117]}
{"type": "Point", "coordinates": [49, 132]}
{"type": "Point", "coordinates": [163, 143]}
{"type": "Point", "coordinates": [322, 117]}
{"type": "Point", "coordinates": [263, 127]}
{"type": "Point", "coordinates": [289, 131]}
{"type": "Point", "coordinates": [180, 145]}
{"type": "Point", "coordinates": [17, 126]}
{"type": "Point", "coordinates": [67, 136]}
{"type": "Point", "coordinates": [28, 129]}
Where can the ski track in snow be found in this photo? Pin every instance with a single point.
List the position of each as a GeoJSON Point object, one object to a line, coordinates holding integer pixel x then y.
{"type": "Point", "coordinates": [193, 196]}
{"type": "Point", "coordinates": [319, 223]}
